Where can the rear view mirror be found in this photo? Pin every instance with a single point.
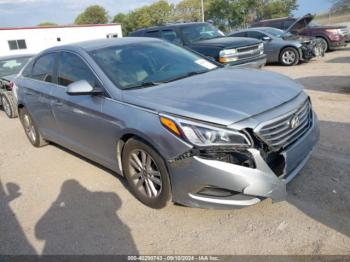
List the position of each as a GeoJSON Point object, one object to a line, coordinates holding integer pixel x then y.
{"type": "Point", "coordinates": [82, 87]}
{"type": "Point", "coordinates": [267, 38]}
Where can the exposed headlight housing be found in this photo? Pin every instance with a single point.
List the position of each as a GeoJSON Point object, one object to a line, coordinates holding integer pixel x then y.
{"type": "Point", "coordinates": [228, 55]}
{"type": "Point", "coordinates": [204, 135]}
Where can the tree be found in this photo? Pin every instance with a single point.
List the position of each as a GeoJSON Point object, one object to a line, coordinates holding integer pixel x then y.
{"type": "Point", "coordinates": [158, 13]}
{"type": "Point", "coordinates": [188, 11]}
{"type": "Point", "coordinates": [94, 14]}
{"type": "Point", "coordinates": [229, 14]}
{"type": "Point", "coordinates": [47, 24]}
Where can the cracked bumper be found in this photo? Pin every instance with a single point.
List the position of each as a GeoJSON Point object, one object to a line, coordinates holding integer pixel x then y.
{"type": "Point", "coordinates": [250, 185]}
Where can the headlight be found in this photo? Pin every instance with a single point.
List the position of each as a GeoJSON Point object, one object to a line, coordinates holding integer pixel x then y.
{"type": "Point", "coordinates": [202, 134]}
{"type": "Point", "coordinates": [228, 52]}
{"type": "Point", "coordinates": [228, 55]}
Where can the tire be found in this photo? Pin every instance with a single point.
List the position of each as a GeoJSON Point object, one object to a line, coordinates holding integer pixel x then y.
{"type": "Point", "coordinates": [324, 43]}
{"type": "Point", "coordinates": [289, 56]}
{"type": "Point", "coordinates": [31, 129]}
{"type": "Point", "coordinates": [146, 174]}
{"type": "Point", "coordinates": [8, 105]}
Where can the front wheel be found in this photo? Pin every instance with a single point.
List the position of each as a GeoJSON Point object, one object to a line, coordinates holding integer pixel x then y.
{"type": "Point", "coordinates": [31, 129]}
{"type": "Point", "coordinates": [289, 56]}
{"type": "Point", "coordinates": [146, 174]}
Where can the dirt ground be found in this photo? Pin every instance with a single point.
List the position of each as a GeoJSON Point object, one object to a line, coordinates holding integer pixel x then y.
{"type": "Point", "coordinates": [54, 202]}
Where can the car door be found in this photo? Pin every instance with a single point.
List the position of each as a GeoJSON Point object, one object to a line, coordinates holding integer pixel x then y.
{"type": "Point", "coordinates": [36, 86]}
{"type": "Point", "coordinates": [79, 117]}
{"type": "Point", "coordinates": [268, 44]}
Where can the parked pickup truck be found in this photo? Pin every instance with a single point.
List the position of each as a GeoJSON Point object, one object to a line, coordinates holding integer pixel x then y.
{"type": "Point", "coordinates": [332, 36]}
{"type": "Point", "coordinates": [209, 41]}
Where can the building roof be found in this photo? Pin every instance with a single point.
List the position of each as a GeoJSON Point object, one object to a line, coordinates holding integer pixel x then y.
{"type": "Point", "coordinates": [56, 26]}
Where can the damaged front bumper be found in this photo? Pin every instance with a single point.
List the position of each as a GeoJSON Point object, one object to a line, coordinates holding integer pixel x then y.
{"type": "Point", "coordinates": [312, 49]}
{"type": "Point", "coordinates": [207, 183]}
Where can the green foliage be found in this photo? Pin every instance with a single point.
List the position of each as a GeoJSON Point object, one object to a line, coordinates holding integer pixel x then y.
{"type": "Point", "coordinates": [94, 14]}
{"type": "Point", "coordinates": [188, 11]}
{"type": "Point", "coordinates": [47, 24]}
{"type": "Point", "coordinates": [226, 14]}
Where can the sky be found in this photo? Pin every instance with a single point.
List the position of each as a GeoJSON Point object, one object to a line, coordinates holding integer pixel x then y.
{"type": "Point", "coordinates": [16, 13]}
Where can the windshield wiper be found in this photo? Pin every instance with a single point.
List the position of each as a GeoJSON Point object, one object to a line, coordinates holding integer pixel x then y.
{"type": "Point", "coordinates": [142, 85]}
{"type": "Point", "coordinates": [186, 75]}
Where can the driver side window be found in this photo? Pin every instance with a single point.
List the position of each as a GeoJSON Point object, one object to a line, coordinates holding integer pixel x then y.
{"type": "Point", "coordinates": [72, 68]}
{"type": "Point", "coordinates": [256, 35]}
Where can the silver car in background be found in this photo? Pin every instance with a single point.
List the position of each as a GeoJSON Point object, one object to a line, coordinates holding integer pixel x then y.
{"type": "Point", "coordinates": [283, 47]}
{"type": "Point", "coordinates": [176, 126]}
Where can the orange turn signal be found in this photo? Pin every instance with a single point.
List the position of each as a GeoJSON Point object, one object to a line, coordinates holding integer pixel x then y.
{"type": "Point", "coordinates": [170, 124]}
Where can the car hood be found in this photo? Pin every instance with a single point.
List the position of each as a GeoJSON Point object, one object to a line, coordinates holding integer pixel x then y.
{"type": "Point", "coordinates": [8, 78]}
{"type": "Point", "coordinates": [222, 96]}
{"type": "Point", "coordinates": [300, 24]}
{"type": "Point", "coordinates": [227, 42]}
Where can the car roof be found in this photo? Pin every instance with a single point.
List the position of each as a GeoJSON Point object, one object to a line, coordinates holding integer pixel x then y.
{"type": "Point", "coordinates": [168, 26]}
{"type": "Point", "coordinates": [16, 56]}
{"type": "Point", "coordinates": [276, 19]}
{"type": "Point", "coordinates": [103, 43]}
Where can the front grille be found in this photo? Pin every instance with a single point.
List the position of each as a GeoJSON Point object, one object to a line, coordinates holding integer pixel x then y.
{"type": "Point", "coordinates": [282, 132]}
{"type": "Point", "coordinates": [248, 49]}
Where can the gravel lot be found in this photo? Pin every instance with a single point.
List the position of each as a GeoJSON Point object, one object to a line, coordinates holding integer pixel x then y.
{"type": "Point", "coordinates": [55, 202]}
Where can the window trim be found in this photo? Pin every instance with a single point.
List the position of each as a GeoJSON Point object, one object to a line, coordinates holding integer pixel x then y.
{"type": "Point", "coordinates": [54, 73]}
{"type": "Point", "coordinates": [100, 82]}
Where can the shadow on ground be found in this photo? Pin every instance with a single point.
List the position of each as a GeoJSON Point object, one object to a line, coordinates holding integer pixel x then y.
{"type": "Point", "coordinates": [321, 191]}
{"type": "Point", "coordinates": [12, 237]}
{"type": "Point", "coordinates": [84, 222]}
{"type": "Point", "coordinates": [339, 60]}
{"type": "Point", "coordinates": [331, 84]}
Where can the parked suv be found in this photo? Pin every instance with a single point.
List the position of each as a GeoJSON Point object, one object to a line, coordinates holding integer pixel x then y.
{"type": "Point", "coordinates": [331, 36]}
{"type": "Point", "coordinates": [207, 40]}
{"type": "Point", "coordinates": [176, 125]}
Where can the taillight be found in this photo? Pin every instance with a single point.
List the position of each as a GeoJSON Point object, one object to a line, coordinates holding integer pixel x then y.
{"type": "Point", "coordinates": [10, 86]}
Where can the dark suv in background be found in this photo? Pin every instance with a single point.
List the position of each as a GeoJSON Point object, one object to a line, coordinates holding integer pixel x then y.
{"type": "Point", "coordinates": [209, 41]}
{"type": "Point", "coordinates": [331, 36]}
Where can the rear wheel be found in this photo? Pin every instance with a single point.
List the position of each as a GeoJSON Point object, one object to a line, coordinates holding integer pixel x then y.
{"type": "Point", "coordinates": [146, 174]}
{"type": "Point", "coordinates": [289, 56]}
{"type": "Point", "coordinates": [323, 43]}
{"type": "Point", "coordinates": [31, 129]}
{"type": "Point", "coordinates": [8, 105]}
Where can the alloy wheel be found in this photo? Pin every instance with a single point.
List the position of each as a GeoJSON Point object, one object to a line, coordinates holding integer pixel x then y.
{"type": "Point", "coordinates": [289, 57]}
{"type": "Point", "coordinates": [145, 173]}
{"type": "Point", "coordinates": [29, 127]}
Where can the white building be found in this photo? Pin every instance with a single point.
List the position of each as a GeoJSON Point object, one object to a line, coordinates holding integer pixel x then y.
{"type": "Point", "coordinates": [32, 40]}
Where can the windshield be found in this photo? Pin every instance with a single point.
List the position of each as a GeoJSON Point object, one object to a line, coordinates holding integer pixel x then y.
{"type": "Point", "coordinates": [150, 63]}
{"type": "Point", "coordinates": [12, 66]}
{"type": "Point", "coordinates": [198, 32]}
{"type": "Point", "coordinates": [274, 31]}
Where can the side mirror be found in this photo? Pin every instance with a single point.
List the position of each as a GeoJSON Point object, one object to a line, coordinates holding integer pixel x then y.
{"type": "Point", "coordinates": [82, 87]}
{"type": "Point", "coordinates": [267, 38]}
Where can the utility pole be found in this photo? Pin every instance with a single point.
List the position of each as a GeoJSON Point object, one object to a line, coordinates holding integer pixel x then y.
{"type": "Point", "coordinates": [202, 2]}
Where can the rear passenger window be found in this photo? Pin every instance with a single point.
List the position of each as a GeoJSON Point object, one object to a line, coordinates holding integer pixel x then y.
{"type": "Point", "coordinates": [276, 24]}
{"type": "Point", "coordinates": [155, 34]}
{"type": "Point", "coordinates": [44, 67]}
{"type": "Point", "coordinates": [241, 34]}
{"type": "Point", "coordinates": [256, 35]}
{"type": "Point", "coordinates": [72, 68]}
{"type": "Point", "coordinates": [287, 24]}
{"type": "Point", "coordinates": [171, 36]}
